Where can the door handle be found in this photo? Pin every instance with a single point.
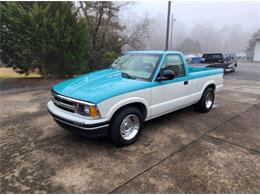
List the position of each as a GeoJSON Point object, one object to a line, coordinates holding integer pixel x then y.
{"type": "Point", "coordinates": [186, 82]}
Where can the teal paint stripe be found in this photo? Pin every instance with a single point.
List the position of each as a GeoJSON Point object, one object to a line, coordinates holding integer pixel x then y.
{"type": "Point", "coordinates": [153, 84]}
{"type": "Point", "coordinates": [99, 94]}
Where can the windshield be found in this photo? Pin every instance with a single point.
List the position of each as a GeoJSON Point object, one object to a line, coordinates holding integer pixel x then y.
{"type": "Point", "coordinates": [137, 65]}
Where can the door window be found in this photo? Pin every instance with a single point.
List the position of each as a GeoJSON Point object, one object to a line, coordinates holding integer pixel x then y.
{"type": "Point", "coordinates": [174, 63]}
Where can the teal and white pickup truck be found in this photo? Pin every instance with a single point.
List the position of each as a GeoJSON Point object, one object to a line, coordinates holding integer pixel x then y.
{"type": "Point", "coordinates": [137, 87]}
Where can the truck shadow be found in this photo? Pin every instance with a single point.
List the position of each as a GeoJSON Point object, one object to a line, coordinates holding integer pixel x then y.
{"type": "Point", "coordinates": [159, 121]}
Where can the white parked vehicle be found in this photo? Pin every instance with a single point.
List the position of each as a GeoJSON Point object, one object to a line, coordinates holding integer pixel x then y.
{"type": "Point", "coordinates": [139, 86]}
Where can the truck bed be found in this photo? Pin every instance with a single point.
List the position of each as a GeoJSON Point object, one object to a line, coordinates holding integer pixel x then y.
{"type": "Point", "coordinates": [196, 72]}
{"type": "Point", "coordinates": [225, 65]}
{"type": "Point", "coordinates": [206, 65]}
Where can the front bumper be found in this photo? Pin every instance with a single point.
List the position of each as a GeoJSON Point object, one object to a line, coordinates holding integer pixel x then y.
{"type": "Point", "coordinates": [78, 124]}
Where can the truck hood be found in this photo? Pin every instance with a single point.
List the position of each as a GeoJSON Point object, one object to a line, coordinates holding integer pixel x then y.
{"type": "Point", "coordinates": [98, 86]}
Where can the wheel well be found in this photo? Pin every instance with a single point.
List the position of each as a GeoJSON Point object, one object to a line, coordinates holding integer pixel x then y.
{"type": "Point", "coordinates": [213, 86]}
{"type": "Point", "coordinates": [138, 105]}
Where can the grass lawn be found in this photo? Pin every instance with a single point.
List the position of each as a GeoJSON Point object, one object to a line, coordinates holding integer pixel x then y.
{"type": "Point", "coordinates": [9, 73]}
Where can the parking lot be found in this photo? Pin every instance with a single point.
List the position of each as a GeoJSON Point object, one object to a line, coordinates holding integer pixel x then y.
{"type": "Point", "coordinates": [182, 152]}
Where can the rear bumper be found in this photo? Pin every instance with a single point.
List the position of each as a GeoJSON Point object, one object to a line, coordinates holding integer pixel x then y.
{"type": "Point", "coordinates": [231, 66]}
{"type": "Point", "coordinates": [78, 124]}
{"type": "Point", "coordinates": [225, 66]}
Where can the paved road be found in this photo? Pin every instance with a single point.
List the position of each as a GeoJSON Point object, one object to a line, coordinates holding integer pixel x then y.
{"type": "Point", "coordinates": [248, 71]}
{"type": "Point", "coordinates": [182, 152]}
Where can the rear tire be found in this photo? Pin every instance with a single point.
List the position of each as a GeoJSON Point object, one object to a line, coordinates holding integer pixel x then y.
{"type": "Point", "coordinates": [206, 101]}
{"type": "Point", "coordinates": [126, 126]}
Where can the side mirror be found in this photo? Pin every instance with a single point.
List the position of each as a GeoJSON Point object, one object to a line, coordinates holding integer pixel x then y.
{"type": "Point", "coordinates": [166, 75]}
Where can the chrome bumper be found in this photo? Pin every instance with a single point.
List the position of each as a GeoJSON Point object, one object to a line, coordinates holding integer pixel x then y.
{"type": "Point", "coordinates": [76, 120]}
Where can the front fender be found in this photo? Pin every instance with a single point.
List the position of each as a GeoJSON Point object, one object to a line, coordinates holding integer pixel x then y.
{"type": "Point", "coordinates": [109, 107]}
{"type": "Point", "coordinates": [122, 103]}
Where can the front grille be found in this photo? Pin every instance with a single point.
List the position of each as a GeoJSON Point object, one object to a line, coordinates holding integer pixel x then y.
{"type": "Point", "coordinates": [70, 104]}
{"type": "Point", "coordinates": [63, 103]}
{"type": "Point", "coordinates": [64, 108]}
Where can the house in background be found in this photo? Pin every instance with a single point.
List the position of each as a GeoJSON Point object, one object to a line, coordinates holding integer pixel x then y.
{"type": "Point", "coordinates": [256, 57]}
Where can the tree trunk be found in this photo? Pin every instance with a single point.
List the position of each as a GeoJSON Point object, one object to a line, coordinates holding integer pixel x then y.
{"type": "Point", "coordinates": [43, 70]}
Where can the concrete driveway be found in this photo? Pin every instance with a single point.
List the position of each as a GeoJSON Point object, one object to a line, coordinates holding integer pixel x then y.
{"type": "Point", "coordinates": [182, 152]}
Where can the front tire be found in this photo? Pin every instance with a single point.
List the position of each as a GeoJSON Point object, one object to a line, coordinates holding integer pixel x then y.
{"type": "Point", "coordinates": [126, 126]}
{"type": "Point", "coordinates": [206, 102]}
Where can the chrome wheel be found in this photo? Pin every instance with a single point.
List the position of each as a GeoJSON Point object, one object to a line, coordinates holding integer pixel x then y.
{"type": "Point", "coordinates": [130, 127]}
{"type": "Point", "coordinates": [209, 100]}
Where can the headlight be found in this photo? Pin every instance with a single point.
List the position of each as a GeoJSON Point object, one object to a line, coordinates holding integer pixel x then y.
{"type": "Point", "coordinates": [86, 110]}
{"type": "Point", "coordinates": [91, 111]}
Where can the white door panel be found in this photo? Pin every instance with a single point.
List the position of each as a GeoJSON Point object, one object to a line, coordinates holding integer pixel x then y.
{"type": "Point", "coordinates": [172, 94]}
{"type": "Point", "coordinates": [169, 96]}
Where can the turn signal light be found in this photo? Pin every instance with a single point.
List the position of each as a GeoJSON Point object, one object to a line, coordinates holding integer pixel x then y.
{"type": "Point", "coordinates": [93, 112]}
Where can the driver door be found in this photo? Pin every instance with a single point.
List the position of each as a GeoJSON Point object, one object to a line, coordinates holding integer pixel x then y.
{"type": "Point", "coordinates": [172, 94]}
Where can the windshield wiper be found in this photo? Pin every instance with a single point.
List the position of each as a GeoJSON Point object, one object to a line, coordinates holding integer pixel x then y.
{"type": "Point", "coordinates": [126, 75]}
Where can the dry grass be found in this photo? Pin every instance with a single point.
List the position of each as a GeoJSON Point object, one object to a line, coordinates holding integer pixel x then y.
{"type": "Point", "coordinates": [9, 73]}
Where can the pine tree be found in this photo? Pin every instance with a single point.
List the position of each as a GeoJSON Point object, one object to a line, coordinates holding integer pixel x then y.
{"type": "Point", "coordinates": [44, 35]}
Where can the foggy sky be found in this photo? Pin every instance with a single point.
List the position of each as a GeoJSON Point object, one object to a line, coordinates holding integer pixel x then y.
{"type": "Point", "coordinates": [190, 13]}
{"type": "Point", "coordinates": [224, 26]}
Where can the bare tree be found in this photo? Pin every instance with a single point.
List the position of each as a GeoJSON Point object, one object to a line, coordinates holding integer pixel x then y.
{"type": "Point", "coordinates": [102, 19]}
{"type": "Point", "coordinates": [136, 35]}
